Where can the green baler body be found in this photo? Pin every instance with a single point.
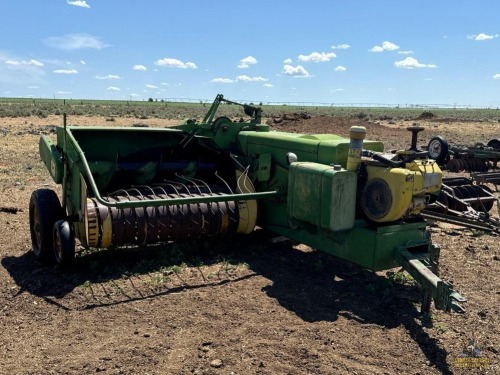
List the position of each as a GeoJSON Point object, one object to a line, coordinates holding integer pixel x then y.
{"type": "Point", "coordinates": [300, 182]}
{"type": "Point", "coordinates": [315, 204]}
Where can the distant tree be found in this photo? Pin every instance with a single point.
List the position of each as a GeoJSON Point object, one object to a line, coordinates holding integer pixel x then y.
{"type": "Point", "coordinates": [150, 99]}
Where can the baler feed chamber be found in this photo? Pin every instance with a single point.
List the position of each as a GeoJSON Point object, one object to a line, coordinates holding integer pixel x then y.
{"type": "Point", "coordinates": [130, 186]}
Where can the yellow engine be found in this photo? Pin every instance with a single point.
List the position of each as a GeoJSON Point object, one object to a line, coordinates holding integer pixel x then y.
{"type": "Point", "coordinates": [393, 193]}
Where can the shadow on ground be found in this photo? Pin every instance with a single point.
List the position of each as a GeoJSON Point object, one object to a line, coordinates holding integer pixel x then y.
{"type": "Point", "coordinates": [314, 285]}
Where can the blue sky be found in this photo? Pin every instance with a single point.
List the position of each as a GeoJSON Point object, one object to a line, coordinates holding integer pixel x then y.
{"type": "Point", "coordinates": [316, 51]}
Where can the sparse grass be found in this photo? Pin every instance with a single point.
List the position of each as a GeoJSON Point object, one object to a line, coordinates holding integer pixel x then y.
{"type": "Point", "coordinates": [400, 277]}
{"type": "Point", "coordinates": [19, 107]}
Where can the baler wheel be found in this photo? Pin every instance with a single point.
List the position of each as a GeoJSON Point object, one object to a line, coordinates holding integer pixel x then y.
{"type": "Point", "coordinates": [44, 210]}
{"type": "Point", "coordinates": [64, 243]}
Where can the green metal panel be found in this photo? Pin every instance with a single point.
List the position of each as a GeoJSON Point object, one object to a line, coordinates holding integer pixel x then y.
{"type": "Point", "coordinates": [321, 148]}
{"type": "Point", "coordinates": [372, 247]}
{"type": "Point", "coordinates": [278, 145]}
{"type": "Point", "coordinates": [107, 143]}
{"type": "Point", "coordinates": [338, 204]}
{"type": "Point", "coordinates": [321, 195]}
{"type": "Point", "coordinates": [264, 171]}
{"type": "Point", "coordinates": [51, 157]}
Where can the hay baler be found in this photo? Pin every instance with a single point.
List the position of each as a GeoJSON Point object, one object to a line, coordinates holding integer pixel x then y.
{"type": "Point", "coordinates": [218, 177]}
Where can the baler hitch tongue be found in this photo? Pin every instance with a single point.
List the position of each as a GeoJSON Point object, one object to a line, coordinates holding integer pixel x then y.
{"type": "Point", "coordinates": [423, 268]}
{"type": "Point", "coordinates": [448, 299]}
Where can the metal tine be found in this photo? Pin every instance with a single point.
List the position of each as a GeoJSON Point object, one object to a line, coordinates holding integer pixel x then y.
{"type": "Point", "coordinates": [147, 187]}
{"type": "Point", "coordinates": [199, 191]}
{"type": "Point", "coordinates": [208, 188]}
{"type": "Point", "coordinates": [229, 188]}
{"type": "Point", "coordinates": [244, 174]}
{"type": "Point", "coordinates": [224, 181]}
{"type": "Point", "coordinates": [171, 183]}
{"type": "Point", "coordinates": [191, 181]}
{"type": "Point", "coordinates": [116, 194]}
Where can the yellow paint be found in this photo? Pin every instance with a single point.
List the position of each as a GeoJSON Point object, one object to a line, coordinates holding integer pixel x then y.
{"type": "Point", "coordinates": [408, 186]}
{"type": "Point", "coordinates": [247, 209]}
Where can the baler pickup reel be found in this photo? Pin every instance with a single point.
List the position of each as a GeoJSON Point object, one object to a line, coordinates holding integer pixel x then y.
{"type": "Point", "coordinates": [219, 177]}
{"type": "Point", "coordinates": [131, 186]}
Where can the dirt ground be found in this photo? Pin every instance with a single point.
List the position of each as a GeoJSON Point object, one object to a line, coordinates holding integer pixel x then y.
{"type": "Point", "coordinates": [244, 305]}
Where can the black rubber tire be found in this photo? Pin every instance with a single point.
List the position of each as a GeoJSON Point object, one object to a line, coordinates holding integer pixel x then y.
{"type": "Point", "coordinates": [494, 143]}
{"type": "Point", "coordinates": [44, 210]}
{"type": "Point", "coordinates": [438, 149]}
{"type": "Point", "coordinates": [64, 243]}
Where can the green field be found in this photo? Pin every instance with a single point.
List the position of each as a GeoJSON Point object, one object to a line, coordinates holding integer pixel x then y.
{"type": "Point", "coordinates": [18, 107]}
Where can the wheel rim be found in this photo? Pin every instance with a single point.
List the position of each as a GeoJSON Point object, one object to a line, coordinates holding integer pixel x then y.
{"type": "Point", "coordinates": [435, 149]}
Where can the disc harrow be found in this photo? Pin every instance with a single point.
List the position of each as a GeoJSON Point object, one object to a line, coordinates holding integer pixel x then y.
{"type": "Point", "coordinates": [464, 201]}
{"type": "Point", "coordinates": [467, 164]}
{"type": "Point", "coordinates": [458, 158]}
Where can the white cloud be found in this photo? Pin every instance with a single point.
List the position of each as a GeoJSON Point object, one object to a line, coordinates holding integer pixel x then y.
{"type": "Point", "coordinates": [295, 71]}
{"type": "Point", "coordinates": [24, 62]}
{"type": "Point", "coordinates": [63, 92]}
{"type": "Point", "coordinates": [251, 79]}
{"type": "Point", "coordinates": [411, 63]}
{"type": "Point", "coordinates": [174, 63]}
{"type": "Point", "coordinates": [241, 78]}
{"type": "Point", "coordinates": [33, 87]}
{"type": "Point", "coordinates": [20, 72]}
{"type": "Point", "coordinates": [139, 67]}
{"type": "Point", "coordinates": [222, 80]}
{"type": "Point", "coordinates": [288, 61]}
{"type": "Point", "coordinates": [386, 46]}
{"type": "Point", "coordinates": [340, 68]}
{"type": "Point", "coordinates": [79, 3]}
{"type": "Point", "coordinates": [65, 71]}
{"type": "Point", "coordinates": [113, 88]}
{"type": "Point", "coordinates": [247, 61]}
{"type": "Point", "coordinates": [496, 76]}
{"type": "Point", "coordinates": [341, 46]}
{"type": "Point", "coordinates": [317, 57]}
{"type": "Point", "coordinates": [149, 86]}
{"type": "Point", "coordinates": [268, 85]}
{"type": "Point", "coordinates": [109, 76]}
{"type": "Point", "coordinates": [482, 36]}
{"type": "Point", "coordinates": [71, 42]}
{"type": "Point", "coordinates": [83, 62]}
{"type": "Point", "coordinates": [338, 90]}
{"type": "Point", "coordinates": [165, 84]}
{"type": "Point", "coordinates": [405, 52]}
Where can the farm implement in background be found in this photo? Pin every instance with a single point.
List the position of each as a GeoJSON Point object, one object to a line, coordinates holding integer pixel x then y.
{"type": "Point", "coordinates": [218, 177]}
{"type": "Point", "coordinates": [465, 202]}
{"type": "Point", "coordinates": [456, 158]}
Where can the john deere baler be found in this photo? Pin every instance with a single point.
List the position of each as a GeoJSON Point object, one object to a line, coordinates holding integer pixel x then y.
{"type": "Point", "coordinates": [216, 178]}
